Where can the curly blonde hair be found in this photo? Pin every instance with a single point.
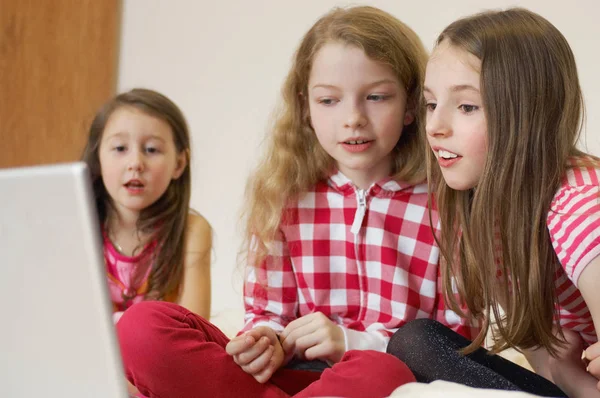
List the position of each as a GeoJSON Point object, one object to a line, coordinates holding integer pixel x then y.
{"type": "Point", "coordinates": [295, 161]}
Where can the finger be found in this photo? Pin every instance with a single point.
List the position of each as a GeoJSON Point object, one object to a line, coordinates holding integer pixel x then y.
{"type": "Point", "coordinates": [260, 362]}
{"type": "Point", "coordinates": [297, 323]}
{"type": "Point", "coordinates": [592, 352]}
{"type": "Point", "coordinates": [307, 341]}
{"type": "Point", "coordinates": [594, 368]}
{"type": "Point", "coordinates": [323, 350]}
{"type": "Point", "coordinates": [253, 352]}
{"type": "Point", "coordinates": [290, 343]}
{"type": "Point", "coordinates": [239, 344]}
{"type": "Point", "coordinates": [266, 373]}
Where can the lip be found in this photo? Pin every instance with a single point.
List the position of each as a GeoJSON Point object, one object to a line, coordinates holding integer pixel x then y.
{"type": "Point", "coordinates": [356, 148]}
{"type": "Point", "coordinates": [436, 149]}
{"type": "Point", "coordinates": [134, 189]}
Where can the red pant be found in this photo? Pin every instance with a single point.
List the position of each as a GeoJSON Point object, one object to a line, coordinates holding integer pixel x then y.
{"type": "Point", "coordinates": [171, 352]}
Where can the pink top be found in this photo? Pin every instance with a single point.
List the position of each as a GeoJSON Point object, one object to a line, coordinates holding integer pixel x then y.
{"type": "Point", "coordinates": [120, 270]}
{"type": "Point", "coordinates": [574, 225]}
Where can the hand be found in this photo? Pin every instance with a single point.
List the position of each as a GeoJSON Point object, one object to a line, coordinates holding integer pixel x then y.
{"type": "Point", "coordinates": [314, 336]}
{"type": "Point", "coordinates": [131, 389]}
{"type": "Point", "coordinates": [258, 352]}
{"type": "Point", "coordinates": [568, 370]}
{"type": "Point", "coordinates": [592, 357]}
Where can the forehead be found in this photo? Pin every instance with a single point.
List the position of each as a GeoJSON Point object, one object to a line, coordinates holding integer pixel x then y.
{"type": "Point", "coordinates": [341, 64]}
{"type": "Point", "coordinates": [131, 121]}
{"type": "Point", "coordinates": [453, 65]}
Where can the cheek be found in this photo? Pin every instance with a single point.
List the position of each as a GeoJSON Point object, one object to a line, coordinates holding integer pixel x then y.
{"type": "Point", "coordinates": [321, 122]}
{"type": "Point", "coordinates": [390, 117]}
{"type": "Point", "coordinates": [478, 147]}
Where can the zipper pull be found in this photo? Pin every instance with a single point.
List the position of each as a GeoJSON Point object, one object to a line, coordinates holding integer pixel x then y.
{"type": "Point", "coordinates": [360, 211]}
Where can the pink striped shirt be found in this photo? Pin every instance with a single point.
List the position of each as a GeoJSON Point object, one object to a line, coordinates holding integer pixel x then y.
{"type": "Point", "coordinates": [574, 225]}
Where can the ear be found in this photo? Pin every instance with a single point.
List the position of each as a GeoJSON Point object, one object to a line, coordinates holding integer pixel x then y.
{"type": "Point", "coordinates": [182, 162]}
{"type": "Point", "coordinates": [409, 117]}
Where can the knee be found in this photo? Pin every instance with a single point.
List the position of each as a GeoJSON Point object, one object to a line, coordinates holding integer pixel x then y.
{"type": "Point", "coordinates": [144, 315]}
{"type": "Point", "coordinates": [142, 329]}
{"type": "Point", "coordinates": [415, 336]}
{"type": "Point", "coordinates": [384, 367]}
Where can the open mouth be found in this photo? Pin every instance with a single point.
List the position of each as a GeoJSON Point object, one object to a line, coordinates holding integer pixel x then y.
{"type": "Point", "coordinates": [357, 142]}
{"type": "Point", "coordinates": [134, 184]}
{"type": "Point", "coordinates": [447, 154]}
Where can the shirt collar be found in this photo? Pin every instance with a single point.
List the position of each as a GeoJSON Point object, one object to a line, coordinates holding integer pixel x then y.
{"type": "Point", "coordinates": [386, 186]}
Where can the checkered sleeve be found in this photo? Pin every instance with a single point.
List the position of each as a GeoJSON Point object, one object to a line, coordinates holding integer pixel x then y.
{"type": "Point", "coordinates": [466, 326]}
{"type": "Point", "coordinates": [270, 290]}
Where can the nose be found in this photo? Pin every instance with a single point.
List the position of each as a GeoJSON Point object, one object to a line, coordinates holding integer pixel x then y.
{"type": "Point", "coordinates": [355, 118]}
{"type": "Point", "coordinates": [438, 124]}
{"type": "Point", "coordinates": [136, 161]}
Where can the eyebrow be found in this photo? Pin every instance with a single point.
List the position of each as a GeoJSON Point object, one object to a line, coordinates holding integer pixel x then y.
{"type": "Point", "coordinates": [456, 88]}
{"type": "Point", "coordinates": [123, 133]}
{"type": "Point", "coordinates": [375, 83]}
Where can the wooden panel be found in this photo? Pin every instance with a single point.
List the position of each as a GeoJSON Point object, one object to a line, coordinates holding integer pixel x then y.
{"type": "Point", "coordinates": [58, 64]}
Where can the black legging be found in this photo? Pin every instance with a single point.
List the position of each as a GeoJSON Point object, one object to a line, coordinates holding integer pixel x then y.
{"type": "Point", "coordinates": [430, 350]}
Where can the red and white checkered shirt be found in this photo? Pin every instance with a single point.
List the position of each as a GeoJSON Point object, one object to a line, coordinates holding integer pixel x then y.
{"type": "Point", "coordinates": [367, 259]}
{"type": "Point", "coordinates": [574, 226]}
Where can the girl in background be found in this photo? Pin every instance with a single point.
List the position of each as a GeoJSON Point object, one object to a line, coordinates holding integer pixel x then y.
{"type": "Point", "coordinates": [155, 247]}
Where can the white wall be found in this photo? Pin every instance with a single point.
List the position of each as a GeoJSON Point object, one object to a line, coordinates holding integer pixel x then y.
{"type": "Point", "coordinates": [223, 62]}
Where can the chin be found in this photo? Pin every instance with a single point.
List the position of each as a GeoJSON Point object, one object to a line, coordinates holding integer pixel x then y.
{"type": "Point", "coordinates": [459, 185]}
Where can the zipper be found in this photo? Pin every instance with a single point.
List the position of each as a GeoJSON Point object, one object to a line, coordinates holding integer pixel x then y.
{"type": "Point", "coordinates": [361, 196]}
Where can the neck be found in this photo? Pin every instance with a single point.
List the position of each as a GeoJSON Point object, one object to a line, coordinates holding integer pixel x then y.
{"type": "Point", "coordinates": [122, 230]}
{"type": "Point", "coordinates": [122, 220]}
{"type": "Point", "coordinates": [363, 179]}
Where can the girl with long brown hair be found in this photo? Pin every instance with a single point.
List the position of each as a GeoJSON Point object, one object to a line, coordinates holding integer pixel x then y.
{"type": "Point", "coordinates": [340, 253]}
{"type": "Point", "coordinates": [155, 247]}
{"type": "Point", "coordinates": [518, 202]}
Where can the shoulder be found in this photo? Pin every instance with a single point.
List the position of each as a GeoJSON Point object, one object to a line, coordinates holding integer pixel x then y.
{"type": "Point", "coordinates": [578, 191]}
{"type": "Point", "coordinates": [573, 219]}
{"type": "Point", "coordinates": [198, 233]}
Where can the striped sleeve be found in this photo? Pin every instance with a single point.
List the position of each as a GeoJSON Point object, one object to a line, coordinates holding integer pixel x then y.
{"type": "Point", "coordinates": [270, 291]}
{"type": "Point", "coordinates": [574, 221]}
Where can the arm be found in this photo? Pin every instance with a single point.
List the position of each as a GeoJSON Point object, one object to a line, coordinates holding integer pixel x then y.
{"type": "Point", "coordinates": [270, 301]}
{"type": "Point", "coordinates": [566, 370]}
{"type": "Point", "coordinates": [270, 290]}
{"type": "Point", "coordinates": [588, 286]}
{"type": "Point", "coordinates": [195, 290]}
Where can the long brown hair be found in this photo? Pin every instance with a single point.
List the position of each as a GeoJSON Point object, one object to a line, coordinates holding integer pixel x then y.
{"type": "Point", "coordinates": [295, 161]}
{"type": "Point", "coordinates": [534, 109]}
{"type": "Point", "coordinates": [166, 219]}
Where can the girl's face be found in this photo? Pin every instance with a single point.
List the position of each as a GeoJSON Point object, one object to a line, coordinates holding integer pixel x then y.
{"type": "Point", "coordinates": [357, 110]}
{"type": "Point", "coordinates": [138, 159]}
{"type": "Point", "coordinates": [456, 122]}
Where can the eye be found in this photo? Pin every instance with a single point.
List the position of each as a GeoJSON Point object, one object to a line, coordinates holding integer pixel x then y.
{"type": "Point", "coordinates": [326, 101]}
{"type": "Point", "coordinates": [468, 108]}
{"type": "Point", "coordinates": [151, 149]}
{"type": "Point", "coordinates": [430, 106]}
{"type": "Point", "coordinates": [377, 97]}
{"type": "Point", "coordinates": [120, 148]}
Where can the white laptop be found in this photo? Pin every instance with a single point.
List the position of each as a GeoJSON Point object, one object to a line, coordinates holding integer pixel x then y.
{"type": "Point", "coordinates": [57, 338]}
